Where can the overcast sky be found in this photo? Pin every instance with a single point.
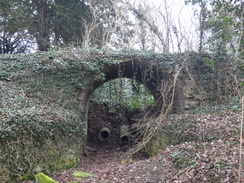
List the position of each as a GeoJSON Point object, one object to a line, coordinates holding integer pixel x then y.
{"type": "Point", "coordinates": [180, 15]}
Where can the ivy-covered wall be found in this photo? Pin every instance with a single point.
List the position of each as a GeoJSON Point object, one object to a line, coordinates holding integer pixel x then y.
{"type": "Point", "coordinates": [44, 100]}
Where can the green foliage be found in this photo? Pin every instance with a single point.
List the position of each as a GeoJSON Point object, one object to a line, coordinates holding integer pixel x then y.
{"type": "Point", "coordinates": [22, 116]}
{"type": "Point", "coordinates": [13, 35]}
{"type": "Point", "coordinates": [126, 92]}
{"type": "Point", "coordinates": [53, 23]}
{"type": "Point", "coordinates": [59, 78]}
{"type": "Point", "coordinates": [234, 104]}
{"type": "Point", "coordinates": [224, 24]}
{"type": "Point", "coordinates": [175, 154]}
{"type": "Point", "coordinates": [68, 18]}
{"type": "Point", "coordinates": [35, 136]}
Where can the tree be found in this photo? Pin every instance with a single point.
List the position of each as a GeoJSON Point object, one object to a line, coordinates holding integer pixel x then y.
{"type": "Point", "coordinates": [58, 20]}
{"type": "Point", "coordinates": [110, 24]}
{"type": "Point", "coordinates": [202, 20]}
{"type": "Point", "coordinates": [68, 27]}
{"type": "Point", "coordinates": [14, 37]}
{"type": "Point", "coordinates": [163, 30]}
{"type": "Point", "coordinates": [223, 27]}
{"type": "Point", "coordinates": [152, 26]}
{"type": "Point", "coordinates": [222, 22]}
{"type": "Point", "coordinates": [42, 24]}
{"type": "Point", "coordinates": [54, 22]}
{"type": "Point", "coordinates": [11, 42]}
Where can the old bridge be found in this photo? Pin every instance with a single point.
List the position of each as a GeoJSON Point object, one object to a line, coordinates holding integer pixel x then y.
{"type": "Point", "coordinates": [157, 72]}
{"type": "Point", "coordinates": [79, 73]}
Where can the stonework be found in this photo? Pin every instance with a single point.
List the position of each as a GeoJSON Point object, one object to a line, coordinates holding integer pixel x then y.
{"type": "Point", "coordinates": [81, 72]}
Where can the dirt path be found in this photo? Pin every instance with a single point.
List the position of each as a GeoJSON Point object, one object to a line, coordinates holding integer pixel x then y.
{"type": "Point", "coordinates": [108, 161]}
{"type": "Point", "coordinates": [115, 165]}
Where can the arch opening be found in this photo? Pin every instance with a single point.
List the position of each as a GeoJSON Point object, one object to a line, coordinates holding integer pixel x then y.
{"type": "Point", "coordinates": [149, 74]}
{"type": "Point", "coordinates": [113, 105]}
{"type": "Point", "coordinates": [123, 91]}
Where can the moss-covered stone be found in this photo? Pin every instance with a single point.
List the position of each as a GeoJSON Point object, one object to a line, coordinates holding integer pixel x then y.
{"type": "Point", "coordinates": [112, 110]}
{"type": "Point", "coordinates": [65, 161]}
{"type": "Point", "coordinates": [159, 142]}
{"type": "Point", "coordinates": [42, 178]}
{"type": "Point", "coordinates": [46, 158]}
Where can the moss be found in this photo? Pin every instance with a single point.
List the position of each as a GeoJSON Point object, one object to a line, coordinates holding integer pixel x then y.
{"type": "Point", "coordinates": [22, 178]}
{"type": "Point", "coordinates": [156, 144]}
{"type": "Point", "coordinates": [65, 161]}
{"type": "Point", "coordinates": [47, 158]}
{"type": "Point", "coordinates": [42, 178]}
{"type": "Point", "coordinates": [112, 110]}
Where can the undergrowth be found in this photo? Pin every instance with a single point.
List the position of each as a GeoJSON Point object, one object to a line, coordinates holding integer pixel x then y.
{"type": "Point", "coordinates": [35, 136]}
{"type": "Point", "coordinates": [202, 146]}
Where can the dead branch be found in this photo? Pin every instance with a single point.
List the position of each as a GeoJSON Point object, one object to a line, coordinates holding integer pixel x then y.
{"type": "Point", "coordinates": [149, 127]}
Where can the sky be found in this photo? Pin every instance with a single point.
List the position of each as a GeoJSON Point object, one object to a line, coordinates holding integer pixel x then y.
{"type": "Point", "coordinates": [179, 15]}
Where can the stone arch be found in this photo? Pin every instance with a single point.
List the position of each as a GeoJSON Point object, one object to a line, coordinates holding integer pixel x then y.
{"type": "Point", "coordinates": [145, 72]}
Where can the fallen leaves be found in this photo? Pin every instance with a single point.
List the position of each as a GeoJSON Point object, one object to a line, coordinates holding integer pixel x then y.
{"type": "Point", "coordinates": [212, 160]}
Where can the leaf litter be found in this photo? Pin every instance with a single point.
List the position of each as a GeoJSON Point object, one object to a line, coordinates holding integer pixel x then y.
{"type": "Point", "coordinates": [212, 158]}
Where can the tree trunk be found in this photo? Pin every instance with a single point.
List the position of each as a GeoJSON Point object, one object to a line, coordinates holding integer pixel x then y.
{"type": "Point", "coordinates": [43, 31]}
{"type": "Point", "coordinates": [202, 19]}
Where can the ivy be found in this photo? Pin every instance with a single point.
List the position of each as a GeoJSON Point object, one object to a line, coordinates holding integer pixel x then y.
{"type": "Point", "coordinates": [31, 131]}
{"type": "Point", "coordinates": [39, 100]}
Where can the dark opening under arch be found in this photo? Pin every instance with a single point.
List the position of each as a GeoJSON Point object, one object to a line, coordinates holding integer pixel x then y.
{"type": "Point", "coordinates": [111, 112]}
{"type": "Point", "coordinates": [148, 73]}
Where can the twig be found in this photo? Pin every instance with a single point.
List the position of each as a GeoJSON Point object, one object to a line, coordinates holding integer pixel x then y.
{"type": "Point", "coordinates": [150, 128]}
